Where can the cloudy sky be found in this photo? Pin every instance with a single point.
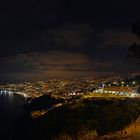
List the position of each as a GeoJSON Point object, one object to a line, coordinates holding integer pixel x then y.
{"type": "Point", "coordinates": [45, 39]}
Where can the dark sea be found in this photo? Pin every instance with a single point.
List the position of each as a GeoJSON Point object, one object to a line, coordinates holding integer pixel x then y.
{"type": "Point", "coordinates": [12, 125]}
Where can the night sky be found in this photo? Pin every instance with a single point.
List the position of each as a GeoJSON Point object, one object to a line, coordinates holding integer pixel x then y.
{"type": "Point", "coordinates": [43, 39]}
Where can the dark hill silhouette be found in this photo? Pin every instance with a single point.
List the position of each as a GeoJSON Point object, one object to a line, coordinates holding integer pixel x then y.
{"type": "Point", "coordinates": [42, 102]}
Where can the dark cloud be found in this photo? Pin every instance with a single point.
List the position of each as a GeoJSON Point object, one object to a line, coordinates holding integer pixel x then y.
{"type": "Point", "coordinates": [118, 38]}
{"type": "Point", "coordinates": [71, 35]}
{"type": "Point", "coordinates": [50, 64]}
{"type": "Point", "coordinates": [41, 39]}
{"type": "Point", "coordinates": [58, 64]}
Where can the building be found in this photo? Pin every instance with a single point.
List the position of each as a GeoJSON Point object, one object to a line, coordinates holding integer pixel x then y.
{"type": "Point", "coordinates": [119, 90]}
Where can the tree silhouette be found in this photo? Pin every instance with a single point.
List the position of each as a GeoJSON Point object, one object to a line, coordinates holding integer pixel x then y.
{"type": "Point", "coordinates": [138, 90]}
{"type": "Point", "coordinates": [134, 50]}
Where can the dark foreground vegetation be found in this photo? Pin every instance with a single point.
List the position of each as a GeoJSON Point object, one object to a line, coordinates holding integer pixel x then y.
{"type": "Point", "coordinates": [99, 115]}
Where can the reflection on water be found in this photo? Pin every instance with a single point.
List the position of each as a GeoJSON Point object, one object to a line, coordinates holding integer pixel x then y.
{"type": "Point", "coordinates": [10, 112]}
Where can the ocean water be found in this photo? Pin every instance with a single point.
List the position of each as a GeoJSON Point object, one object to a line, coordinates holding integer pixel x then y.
{"type": "Point", "coordinates": [11, 113]}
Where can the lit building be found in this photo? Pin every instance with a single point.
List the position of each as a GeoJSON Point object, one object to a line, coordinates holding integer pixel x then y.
{"type": "Point", "coordinates": [119, 90]}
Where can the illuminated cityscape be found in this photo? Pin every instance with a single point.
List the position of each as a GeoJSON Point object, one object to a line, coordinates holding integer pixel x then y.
{"type": "Point", "coordinates": [44, 97]}
{"type": "Point", "coordinates": [70, 70]}
{"type": "Point", "coordinates": [64, 89]}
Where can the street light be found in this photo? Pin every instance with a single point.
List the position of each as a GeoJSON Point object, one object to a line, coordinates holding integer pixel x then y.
{"type": "Point", "coordinates": [133, 82]}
